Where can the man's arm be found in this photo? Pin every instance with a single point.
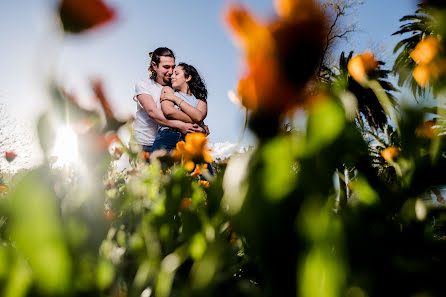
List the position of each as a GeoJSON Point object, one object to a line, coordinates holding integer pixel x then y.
{"type": "Point", "coordinates": [157, 115]}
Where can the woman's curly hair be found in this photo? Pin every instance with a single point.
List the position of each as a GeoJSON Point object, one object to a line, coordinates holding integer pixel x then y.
{"type": "Point", "coordinates": [196, 84]}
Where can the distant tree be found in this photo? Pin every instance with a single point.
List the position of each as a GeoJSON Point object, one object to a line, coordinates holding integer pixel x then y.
{"type": "Point", "coordinates": [418, 26]}
{"type": "Point", "coordinates": [338, 29]}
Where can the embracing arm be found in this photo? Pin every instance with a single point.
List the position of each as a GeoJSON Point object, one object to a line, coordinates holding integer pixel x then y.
{"type": "Point", "coordinates": [197, 114]}
{"type": "Point", "coordinates": [173, 113]}
{"type": "Point", "coordinates": [157, 115]}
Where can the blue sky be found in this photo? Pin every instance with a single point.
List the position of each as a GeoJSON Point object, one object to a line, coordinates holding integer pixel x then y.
{"type": "Point", "coordinates": [33, 49]}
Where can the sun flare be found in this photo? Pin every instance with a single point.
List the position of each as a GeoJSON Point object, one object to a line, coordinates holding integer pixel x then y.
{"type": "Point", "coordinates": [65, 149]}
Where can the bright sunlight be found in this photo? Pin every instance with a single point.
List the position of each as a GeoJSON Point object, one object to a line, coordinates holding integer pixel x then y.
{"type": "Point", "coordinates": [65, 149]}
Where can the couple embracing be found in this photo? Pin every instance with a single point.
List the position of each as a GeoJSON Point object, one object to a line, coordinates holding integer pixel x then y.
{"type": "Point", "coordinates": [171, 103]}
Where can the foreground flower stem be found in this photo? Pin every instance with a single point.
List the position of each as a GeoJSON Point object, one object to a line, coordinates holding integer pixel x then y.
{"type": "Point", "coordinates": [245, 124]}
{"type": "Point", "coordinates": [385, 102]}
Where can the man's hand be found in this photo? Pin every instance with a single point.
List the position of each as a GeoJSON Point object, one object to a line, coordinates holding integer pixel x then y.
{"type": "Point", "coordinates": [167, 94]}
{"type": "Point", "coordinates": [205, 128]}
{"type": "Point", "coordinates": [189, 128]}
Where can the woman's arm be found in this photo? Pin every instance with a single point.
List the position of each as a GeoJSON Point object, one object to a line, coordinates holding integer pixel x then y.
{"type": "Point", "coordinates": [173, 113]}
{"type": "Point", "coordinates": [157, 115]}
{"type": "Point", "coordinates": [197, 114]}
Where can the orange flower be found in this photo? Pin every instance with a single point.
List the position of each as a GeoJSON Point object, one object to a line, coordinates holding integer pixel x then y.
{"type": "Point", "coordinates": [422, 75]}
{"type": "Point", "coordinates": [185, 203]}
{"type": "Point", "coordinates": [10, 156]}
{"type": "Point", "coordinates": [145, 155]}
{"type": "Point", "coordinates": [426, 73]}
{"type": "Point", "coordinates": [189, 165]}
{"type": "Point", "coordinates": [290, 8]}
{"type": "Point", "coordinates": [193, 149]}
{"type": "Point", "coordinates": [390, 153]}
{"type": "Point", "coordinates": [197, 171]}
{"type": "Point", "coordinates": [426, 129]}
{"type": "Point", "coordinates": [78, 16]}
{"type": "Point", "coordinates": [3, 189]}
{"type": "Point", "coordinates": [426, 50]}
{"type": "Point", "coordinates": [204, 183]}
{"type": "Point", "coordinates": [360, 65]}
{"type": "Point", "coordinates": [109, 215]}
{"type": "Point", "coordinates": [280, 55]}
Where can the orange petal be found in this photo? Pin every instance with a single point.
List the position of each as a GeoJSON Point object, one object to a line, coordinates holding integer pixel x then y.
{"type": "Point", "coordinates": [204, 183]}
{"type": "Point", "coordinates": [197, 171]}
{"type": "Point", "coordinates": [3, 189]}
{"type": "Point", "coordinates": [189, 165]}
{"type": "Point", "coordinates": [360, 65]}
{"type": "Point", "coordinates": [390, 153]}
{"type": "Point", "coordinates": [426, 129]}
{"type": "Point", "coordinates": [185, 203]}
{"type": "Point", "coordinates": [145, 155]}
{"type": "Point", "coordinates": [426, 50]}
{"type": "Point", "coordinates": [289, 8]}
{"type": "Point", "coordinates": [422, 75]}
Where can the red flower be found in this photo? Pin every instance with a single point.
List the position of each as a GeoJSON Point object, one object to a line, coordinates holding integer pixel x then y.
{"type": "Point", "coordinates": [10, 156]}
{"type": "Point", "coordinates": [78, 16]}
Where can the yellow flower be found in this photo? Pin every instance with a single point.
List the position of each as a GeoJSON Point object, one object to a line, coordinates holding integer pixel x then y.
{"type": "Point", "coordinates": [390, 153]}
{"type": "Point", "coordinates": [426, 50]}
{"type": "Point", "coordinates": [360, 65]}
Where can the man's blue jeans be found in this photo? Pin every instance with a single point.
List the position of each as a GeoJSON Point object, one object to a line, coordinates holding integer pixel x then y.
{"type": "Point", "coordinates": [167, 139]}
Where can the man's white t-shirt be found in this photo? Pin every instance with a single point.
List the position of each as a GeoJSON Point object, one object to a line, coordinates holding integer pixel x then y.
{"type": "Point", "coordinates": [144, 127]}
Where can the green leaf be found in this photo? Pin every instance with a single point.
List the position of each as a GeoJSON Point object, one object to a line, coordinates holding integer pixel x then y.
{"type": "Point", "coordinates": [325, 123]}
{"type": "Point", "coordinates": [105, 274]}
{"type": "Point", "coordinates": [36, 229]}
{"type": "Point", "coordinates": [278, 177]}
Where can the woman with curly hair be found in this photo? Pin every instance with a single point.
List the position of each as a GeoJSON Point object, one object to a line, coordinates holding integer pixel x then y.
{"type": "Point", "coordinates": [185, 101]}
